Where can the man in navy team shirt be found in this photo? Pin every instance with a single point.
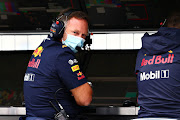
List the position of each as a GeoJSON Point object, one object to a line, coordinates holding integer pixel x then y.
{"type": "Point", "coordinates": [158, 71]}
{"type": "Point", "coordinates": [53, 66]}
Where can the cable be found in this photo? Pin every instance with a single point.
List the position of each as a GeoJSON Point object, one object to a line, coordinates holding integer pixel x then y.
{"type": "Point", "coordinates": [54, 106]}
{"type": "Point", "coordinates": [61, 107]}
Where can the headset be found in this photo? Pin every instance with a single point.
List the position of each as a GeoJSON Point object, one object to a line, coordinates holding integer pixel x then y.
{"type": "Point", "coordinates": [57, 31]}
{"type": "Point", "coordinates": [57, 27]}
{"type": "Point", "coordinates": [163, 24]}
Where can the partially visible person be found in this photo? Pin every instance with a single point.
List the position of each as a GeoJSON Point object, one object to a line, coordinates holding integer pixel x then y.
{"type": "Point", "coordinates": [158, 71]}
{"type": "Point", "coordinates": [53, 71]}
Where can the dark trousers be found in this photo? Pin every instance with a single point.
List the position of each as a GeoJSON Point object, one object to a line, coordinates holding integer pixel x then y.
{"type": "Point", "coordinates": [35, 118]}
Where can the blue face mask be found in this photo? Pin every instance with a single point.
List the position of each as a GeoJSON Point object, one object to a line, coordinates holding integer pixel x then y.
{"type": "Point", "coordinates": [73, 41]}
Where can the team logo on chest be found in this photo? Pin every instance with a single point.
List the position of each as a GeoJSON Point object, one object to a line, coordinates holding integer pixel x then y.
{"type": "Point", "coordinates": [158, 60]}
{"type": "Point", "coordinates": [154, 75]}
{"type": "Point", "coordinates": [38, 51]}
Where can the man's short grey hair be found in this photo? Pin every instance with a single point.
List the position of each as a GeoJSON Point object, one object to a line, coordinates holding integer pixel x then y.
{"type": "Point", "coordinates": [76, 14]}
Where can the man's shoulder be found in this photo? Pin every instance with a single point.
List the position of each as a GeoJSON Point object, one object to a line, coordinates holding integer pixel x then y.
{"type": "Point", "coordinates": [56, 46]}
{"type": "Point", "coordinates": [63, 49]}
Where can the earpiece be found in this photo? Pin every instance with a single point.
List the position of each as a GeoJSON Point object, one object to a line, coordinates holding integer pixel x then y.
{"type": "Point", "coordinates": [57, 27]}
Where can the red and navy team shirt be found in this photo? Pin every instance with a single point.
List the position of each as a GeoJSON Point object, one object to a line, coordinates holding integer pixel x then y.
{"type": "Point", "coordinates": [158, 74]}
{"type": "Point", "coordinates": [51, 66]}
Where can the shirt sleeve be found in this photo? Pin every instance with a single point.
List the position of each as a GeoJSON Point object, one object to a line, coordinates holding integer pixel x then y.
{"type": "Point", "coordinates": [69, 71]}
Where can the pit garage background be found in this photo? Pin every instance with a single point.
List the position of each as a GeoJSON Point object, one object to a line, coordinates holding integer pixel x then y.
{"type": "Point", "coordinates": [116, 28]}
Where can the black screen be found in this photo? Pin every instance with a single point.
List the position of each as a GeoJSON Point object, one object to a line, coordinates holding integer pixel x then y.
{"type": "Point", "coordinates": [104, 14]}
{"type": "Point", "coordinates": [128, 14]}
{"type": "Point", "coordinates": [30, 14]}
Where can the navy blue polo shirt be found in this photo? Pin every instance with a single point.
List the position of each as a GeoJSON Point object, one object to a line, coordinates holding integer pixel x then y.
{"type": "Point", "coordinates": [158, 74]}
{"type": "Point", "coordinates": [51, 66]}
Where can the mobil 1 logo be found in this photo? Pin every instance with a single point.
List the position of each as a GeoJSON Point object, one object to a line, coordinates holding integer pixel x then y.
{"type": "Point", "coordinates": [158, 74]}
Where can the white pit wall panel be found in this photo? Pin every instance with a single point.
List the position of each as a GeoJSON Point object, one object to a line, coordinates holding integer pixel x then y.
{"type": "Point", "coordinates": [137, 40]}
{"type": "Point", "coordinates": [8, 43]}
{"type": "Point", "coordinates": [126, 41]}
{"type": "Point", "coordinates": [113, 41]}
{"type": "Point", "coordinates": [99, 42]}
{"type": "Point", "coordinates": [21, 42]}
{"type": "Point", "coordinates": [42, 37]}
{"type": "Point", "coordinates": [33, 41]}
